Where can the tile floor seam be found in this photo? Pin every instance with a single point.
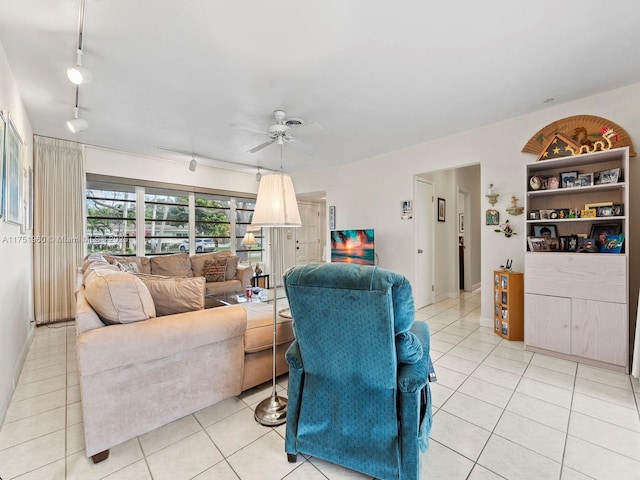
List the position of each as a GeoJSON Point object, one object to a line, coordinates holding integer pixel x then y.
{"type": "Point", "coordinates": [504, 409]}
{"type": "Point", "coordinates": [603, 448]}
{"type": "Point", "coordinates": [144, 457]}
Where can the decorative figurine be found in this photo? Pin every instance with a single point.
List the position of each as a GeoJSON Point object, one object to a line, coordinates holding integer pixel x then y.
{"type": "Point", "coordinates": [258, 270]}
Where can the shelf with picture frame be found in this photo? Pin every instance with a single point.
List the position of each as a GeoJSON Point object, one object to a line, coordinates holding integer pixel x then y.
{"type": "Point", "coordinates": [577, 302]}
{"type": "Point", "coordinates": [565, 205]}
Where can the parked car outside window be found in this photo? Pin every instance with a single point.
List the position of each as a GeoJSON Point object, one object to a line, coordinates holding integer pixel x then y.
{"type": "Point", "coordinates": [202, 245]}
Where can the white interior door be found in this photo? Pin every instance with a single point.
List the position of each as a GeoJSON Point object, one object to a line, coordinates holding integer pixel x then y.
{"type": "Point", "coordinates": [424, 206]}
{"type": "Point", "coordinates": [308, 235]}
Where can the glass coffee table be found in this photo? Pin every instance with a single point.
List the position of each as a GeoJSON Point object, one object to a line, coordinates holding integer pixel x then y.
{"type": "Point", "coordinates": [264, 295]}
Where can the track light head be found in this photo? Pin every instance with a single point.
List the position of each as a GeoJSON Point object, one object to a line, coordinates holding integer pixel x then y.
{"type": "Point", "coordinates": [79, 74]}
{"type": "Point", "coordinates": [193, 164]}
{"type": "Point", "coordinates": [77, 124]}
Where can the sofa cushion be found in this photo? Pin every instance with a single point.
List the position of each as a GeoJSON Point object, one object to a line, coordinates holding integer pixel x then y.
{"type": "Point", "coordinates": [118, 297]}
{"type": "Point", "coordinates": [259, 333]}
{"type": "Point", "coordinates": [98, 265]}
{"type": "Point", "coordinates": [215, 270]}
{"type": "Point", "coordinates": [89, 259]}
{"type": "Point", "coordinates": [175, 294]}
{"type": "Point", "coordinates": [174, 265]}
{"type": "Point", "coordinates": [144, 263]}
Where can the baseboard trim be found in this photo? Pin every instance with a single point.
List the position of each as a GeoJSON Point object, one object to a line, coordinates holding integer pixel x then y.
{"type": "Point", "coordinates": [5, 398]}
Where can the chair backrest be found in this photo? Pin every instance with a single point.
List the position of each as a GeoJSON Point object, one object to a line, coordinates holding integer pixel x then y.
{"type": "Point", "coordinates": [345, 320]}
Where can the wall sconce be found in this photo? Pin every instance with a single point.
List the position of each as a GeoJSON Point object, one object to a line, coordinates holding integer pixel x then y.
{"type": "Point", "coordinates": [515, 209]}
{"type": "Point", "coordinates": [492, 195]}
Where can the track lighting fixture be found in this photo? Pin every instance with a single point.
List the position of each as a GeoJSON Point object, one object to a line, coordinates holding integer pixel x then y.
{"type": "Point", "coordinates": [79, 74]}
{"type": "Point", "coordinates": [193, 164]}
{"type": "Point", "coordinates": [77, 124]}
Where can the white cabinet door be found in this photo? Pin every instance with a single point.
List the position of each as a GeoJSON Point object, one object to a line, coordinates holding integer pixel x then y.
{"type": "Point", "coordinates": [547, 323]}
{"type": "Point", "coordinates": [599, 331]}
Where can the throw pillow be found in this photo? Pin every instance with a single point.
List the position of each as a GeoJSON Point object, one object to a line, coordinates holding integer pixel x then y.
{"type": "Point", "coordinates": [215, 270]}
{"type": "Point", "coordinates": [197, 261]}
{"type": "Point", "coordinates": [143, 263]}
{"type": "Point", "coordinates": [118, 297]}
{"type": "Point", "coordinates": [131, 267]}
{"type": "Point", "coordinates": [175, 295]}
{"type": "Point", "coordinates": [408, 348]}
{"type": "Point", "coordinates": [232, 268]}
{"type": "Point", "coordinates": [175, 265]}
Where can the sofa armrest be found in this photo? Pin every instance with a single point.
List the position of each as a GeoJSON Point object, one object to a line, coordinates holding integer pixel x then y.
{"type": "Point", "coordinates": [244, 273]}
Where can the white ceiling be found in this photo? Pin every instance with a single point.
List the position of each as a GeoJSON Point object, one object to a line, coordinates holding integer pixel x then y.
{"type": "Point", "coordinates": [376, 75]}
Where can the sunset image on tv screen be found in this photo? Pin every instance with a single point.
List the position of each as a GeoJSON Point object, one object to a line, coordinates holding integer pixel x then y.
{"type": "Point", "coordinates": [353, 246]}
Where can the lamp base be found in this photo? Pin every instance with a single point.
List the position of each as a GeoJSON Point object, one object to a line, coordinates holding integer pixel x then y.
{"type": "Point", "coordinates": [272, 411]}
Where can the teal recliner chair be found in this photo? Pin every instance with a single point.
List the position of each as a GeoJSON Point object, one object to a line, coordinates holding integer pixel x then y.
{"type": "Point", "coordinates": [359, 370]}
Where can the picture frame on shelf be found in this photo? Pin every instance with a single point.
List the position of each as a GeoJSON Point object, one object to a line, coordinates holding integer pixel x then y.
{"type": "Point", "coordinates": [601, 231]}
{"type": "Point", "coordinates": [613, 244]}
{"type": "Point", "coordinates": [587, 245]}
{"type": "Point", "coordinates": [584, 180]}
{"type": "Point", "coordinates": [545, 214]}
{"type": "Point", "coordinates": [441, 209]}
{"type": "Point", "coordinates": [605, 177]}
{"type": "Point", "coordinates": [537, 244]}
{"type": "Point", "coordinates": [608, 211]}
{"type": "Point", "coordinates": [589, 206]}
{"type": "Point", "coordinates": [544, 230]}
{"type": "Point", "coordinates": [534, 215]}
{"type": "Point", "coordinates": [568, 179]}
{"type": "Point", "coordinates": [568, 243]}
{"type": "Point", "coordinates": [492, 217]}
{"type": "Point", "coordinates": [553, 183]}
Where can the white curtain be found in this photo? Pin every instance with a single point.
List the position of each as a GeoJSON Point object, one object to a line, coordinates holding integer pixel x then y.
{"type": "Point", "coordinates": [58, 226]}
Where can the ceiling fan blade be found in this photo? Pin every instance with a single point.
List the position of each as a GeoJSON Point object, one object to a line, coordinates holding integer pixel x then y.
{"type": "Point", "coordinates": [304, 147]}
{"type": "Point", "coordinates": [307, 128]}
{"type": "Point", "coordinates": [249, 129]}
{"type": "Point", "coordinates": [261, 146]}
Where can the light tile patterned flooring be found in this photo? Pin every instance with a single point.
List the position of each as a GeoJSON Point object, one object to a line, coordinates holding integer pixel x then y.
{"type": "Point", "coordinates": [499, 412]}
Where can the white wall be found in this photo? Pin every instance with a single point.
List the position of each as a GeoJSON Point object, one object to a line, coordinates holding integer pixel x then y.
{"type": "Point", "coordinates": [368, 193]}
{"type": "Point", "coordinates": [121, 164]}
{"type": "Point", "coordinates": [16, 257]}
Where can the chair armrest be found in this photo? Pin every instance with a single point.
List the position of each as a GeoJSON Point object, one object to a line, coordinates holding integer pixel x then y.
{"type": "Point", "coordinates": [412, 378]}
{"type": "Point", "coordinates": [244, 273]}
{"type": "Point", "coordinates": [293, 357]}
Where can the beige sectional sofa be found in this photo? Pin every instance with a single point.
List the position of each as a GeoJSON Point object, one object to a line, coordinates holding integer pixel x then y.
{"type": "Point", "coordinates": [140, 370]}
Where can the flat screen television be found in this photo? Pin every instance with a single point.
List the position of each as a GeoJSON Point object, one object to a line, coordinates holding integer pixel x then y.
{"type": "Point", "coordinates": [353, 246]}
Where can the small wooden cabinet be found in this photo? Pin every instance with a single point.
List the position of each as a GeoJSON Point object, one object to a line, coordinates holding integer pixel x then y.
{"type": "Point", "coordinates": [508, 304]}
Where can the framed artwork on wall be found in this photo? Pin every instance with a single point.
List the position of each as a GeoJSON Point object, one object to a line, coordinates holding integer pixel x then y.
{"type": "Point", "coordinates": [332, 217]}
{"type": "Point", "coordinates": [441, 209]}
{"type": "Point", "coordinates": [13, 149]}
{"type": "Point", "coordinates": [3, 127]}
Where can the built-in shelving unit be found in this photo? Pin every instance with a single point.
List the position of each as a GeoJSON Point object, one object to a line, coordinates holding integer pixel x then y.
{"type": "Point", "coordinates": [576, 304]}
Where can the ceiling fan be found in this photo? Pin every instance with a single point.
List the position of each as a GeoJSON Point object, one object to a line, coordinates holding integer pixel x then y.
{"type": "Point", "coordinates": [280, 132]}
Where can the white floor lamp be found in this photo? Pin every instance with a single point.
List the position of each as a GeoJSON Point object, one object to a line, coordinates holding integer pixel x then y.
{"type": "Point", "coordinates": [276, 206]}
